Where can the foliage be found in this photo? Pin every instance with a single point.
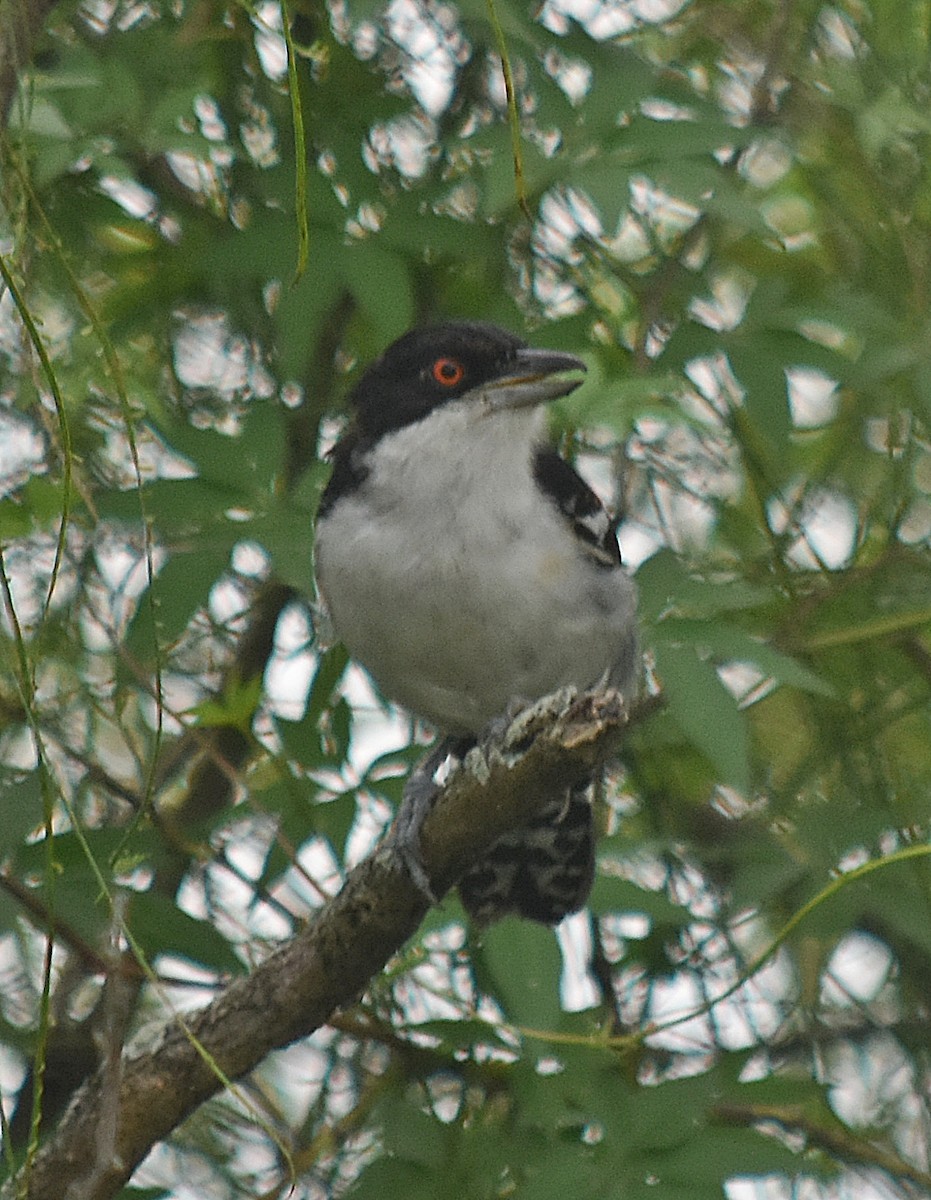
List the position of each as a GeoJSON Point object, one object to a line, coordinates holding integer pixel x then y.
{"type": "Point", "coordinates": [731, 209]}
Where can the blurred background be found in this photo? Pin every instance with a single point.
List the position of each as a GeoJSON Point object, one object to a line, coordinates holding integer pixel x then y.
{"type": "Point", "coordinates": [212, 216]}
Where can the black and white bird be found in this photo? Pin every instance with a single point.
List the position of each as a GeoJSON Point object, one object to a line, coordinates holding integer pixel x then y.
{"type": "Point", "coordinates": [468, 567]}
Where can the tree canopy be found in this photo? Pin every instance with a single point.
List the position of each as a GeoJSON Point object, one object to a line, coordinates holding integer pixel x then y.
{"type": "Point", "coordinates": [211, 217]}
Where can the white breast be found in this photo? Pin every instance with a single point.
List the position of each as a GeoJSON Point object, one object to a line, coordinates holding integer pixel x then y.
{"type": "Point", "coordinates": [456, 585]}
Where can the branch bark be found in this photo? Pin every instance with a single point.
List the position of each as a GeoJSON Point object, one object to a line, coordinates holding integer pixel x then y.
{"type": "Point", "coordinates": [325, 966]}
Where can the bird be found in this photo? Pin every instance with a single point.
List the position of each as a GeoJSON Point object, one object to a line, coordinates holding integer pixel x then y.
{"type": "Point", "coordinates": [469, 568]}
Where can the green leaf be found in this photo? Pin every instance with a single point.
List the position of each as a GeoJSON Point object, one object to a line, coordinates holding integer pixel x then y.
{"type": "Point", "coordinates": [286, 532]}
{"type": "Point", "coordinates": [161, 927]}
{"type": "Point", "coordinates": [706, 712]}
{"type": "Point", "coordinates": [303, 740]}
{"type": "Point", "coordinates": [333, 819]}
{"type": "Point", "coordinates": [246, 463]}
{"type": "Point", "coordinates": [668, 587]}
{"type": "Point", "coordinates": [21, 808]}
{"type": "Point", "coordinates": [16, 520]}
{"type": "Point", "coordinates": [766, 402]}
{"type": "Point", "coordinates": [181, 587]}
{"type": "Point", "coordinates": [415, 1137]}
{"type": "Point", "coordinates": [463, 1033]}
{"type": "Point", "coordinates": [367, 10]}
{"type": "Point", "coordinates": [618, 402]}
{"type": "Point", "coordinates": [727, 643]}
{"type": "Point", "coordinates": [392, 1177]}
{"type": "Point", "coordinates": [302, 815]}
{"type": "Point", "coordinates": [236, 707]}
{"type": "Point", "coordinates": [611, 894]}
{"type": "Point", "coordinates": [529, 995]}
{"type": "Point", "coordinates": [381, 284]}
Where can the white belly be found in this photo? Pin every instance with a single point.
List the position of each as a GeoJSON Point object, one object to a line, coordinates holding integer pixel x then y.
{"type": "Point", "coordinates": [445, 590]}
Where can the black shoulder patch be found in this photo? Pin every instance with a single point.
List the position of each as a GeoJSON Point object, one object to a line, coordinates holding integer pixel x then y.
{"type": "Point", "coordinates": [579, 505]}
{"type": "Point", "coordinates": [348, 471]}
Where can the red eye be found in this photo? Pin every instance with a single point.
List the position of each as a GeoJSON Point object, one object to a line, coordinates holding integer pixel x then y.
{"type": "Point", "coordinates": [447, 372]}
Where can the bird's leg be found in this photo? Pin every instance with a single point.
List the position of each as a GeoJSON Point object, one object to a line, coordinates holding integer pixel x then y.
{"type": "Point", "coordinates": [424, 786]}
{"type": "Point", "coordinates": [498, 726]}
{"type": "Point", "coordinates": [420, 794]}
{"type": "Point", "coordinates": [559, 840]}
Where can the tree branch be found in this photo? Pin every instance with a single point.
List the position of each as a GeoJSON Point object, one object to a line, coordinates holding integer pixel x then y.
{"type": "Point", "coordinates": [325, 966]}
{"type": "Point", "coordinates": [217, 754]}
{"type": "Point", "coordinates": [835, 1140]}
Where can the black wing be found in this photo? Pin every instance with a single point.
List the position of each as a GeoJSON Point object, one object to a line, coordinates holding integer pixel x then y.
{"type": "Point", "coordinates": [579, 505]}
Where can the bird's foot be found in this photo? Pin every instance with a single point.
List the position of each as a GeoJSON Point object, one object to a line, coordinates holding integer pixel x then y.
{"type": "Point", "coordinates": [420, 794]}
{"type": "Point", "coordinates": [513, 732]}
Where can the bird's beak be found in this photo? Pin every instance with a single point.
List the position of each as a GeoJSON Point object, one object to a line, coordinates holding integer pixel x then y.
{"type": "Point", "coordinates": [535, 377]}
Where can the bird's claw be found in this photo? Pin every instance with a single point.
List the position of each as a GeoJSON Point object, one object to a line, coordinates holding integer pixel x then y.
{"type": "Point", "coordinates": [420, 794]}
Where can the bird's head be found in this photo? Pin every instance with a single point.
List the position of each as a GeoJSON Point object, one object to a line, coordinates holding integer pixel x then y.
{"type": "Point", "coordinates": [466, 361]}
